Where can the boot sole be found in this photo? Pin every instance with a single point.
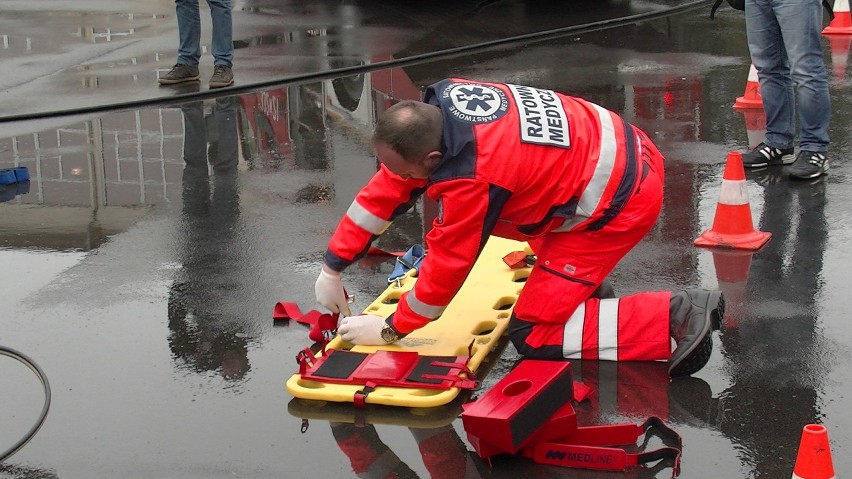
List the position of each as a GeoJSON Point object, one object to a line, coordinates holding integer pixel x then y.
{"type": "Point", "coordinates": [697, 356]}
{"type": "Point", "coordinates": [220, 84]}
{"type": "Point", "coordinates": [785, 160]}
{"type": "Point", "coordinates": [164, 81]}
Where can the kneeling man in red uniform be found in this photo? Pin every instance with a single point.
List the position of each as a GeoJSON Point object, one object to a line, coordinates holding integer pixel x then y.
{"type": "Point", "coordinates": [576, 181]}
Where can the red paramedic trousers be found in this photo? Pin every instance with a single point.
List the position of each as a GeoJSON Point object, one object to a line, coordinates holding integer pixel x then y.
{"type": "Point", "coordinates": [554, 316]}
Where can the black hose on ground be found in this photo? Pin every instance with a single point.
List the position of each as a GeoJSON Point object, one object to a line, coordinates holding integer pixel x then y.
{"type": "Point", "coordinates": [4, 351]}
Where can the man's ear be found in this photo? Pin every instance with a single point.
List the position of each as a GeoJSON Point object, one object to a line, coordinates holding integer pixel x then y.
{"type": "Point", "coordinates": [432, 159]}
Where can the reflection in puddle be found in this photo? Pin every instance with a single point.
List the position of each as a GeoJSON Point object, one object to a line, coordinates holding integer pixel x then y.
{"type": "Point", "coordinates": [274, 39]}
{"type": "Point", "coordinates": [111, 169]}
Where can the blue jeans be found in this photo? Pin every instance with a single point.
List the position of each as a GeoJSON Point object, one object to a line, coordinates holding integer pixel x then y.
{"type": "Point", "coordinates": [189, 29]}
{"type": "Point", "coordinates": [784, 41]}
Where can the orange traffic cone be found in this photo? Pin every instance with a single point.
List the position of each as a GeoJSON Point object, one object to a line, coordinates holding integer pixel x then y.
{"type": "Point", "coordinates": [732, 268]}
{"type": "Point", "coordinates": [755, 122]}
{"type": "Point", "coordinates": [752, 97]}
{"type": "Point", "coordinates": [732, 225]}
{"type": "Point", "coordinates": [814, 458]}
{"type": "Point", "coordinates": [842, 22]}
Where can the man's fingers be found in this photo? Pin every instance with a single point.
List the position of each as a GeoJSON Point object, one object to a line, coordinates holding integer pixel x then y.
{"type": "Point", "coordinates": [343, 329]}
{"type": "Point", "coordinates": [343, 326]}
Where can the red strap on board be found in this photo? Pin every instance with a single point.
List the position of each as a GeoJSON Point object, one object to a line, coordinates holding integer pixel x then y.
{"type": "Point", "coordinates": [323, 325]}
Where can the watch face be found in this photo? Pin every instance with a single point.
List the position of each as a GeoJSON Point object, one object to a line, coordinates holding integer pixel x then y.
{"type": "Point", "coordinates": [388, 334]}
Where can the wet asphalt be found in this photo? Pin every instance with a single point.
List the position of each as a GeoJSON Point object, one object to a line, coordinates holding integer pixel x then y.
{"type": "Point", "coordinates": [140, 264]}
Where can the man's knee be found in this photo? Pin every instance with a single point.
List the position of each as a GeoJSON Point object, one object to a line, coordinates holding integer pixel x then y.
{"type": "Point", "coordinates": [519, 332]}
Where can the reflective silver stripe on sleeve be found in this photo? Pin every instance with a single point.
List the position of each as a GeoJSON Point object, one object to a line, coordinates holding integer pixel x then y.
{"type": "Point", "coordinates": [423, 309]}
{"type": "Point", "coordinates": [591, 197]}
{"type": "Point", "coordinates": [572, 334]}
{"type": "Point", "coordinates": [608, 329]}
{"type": "Point", "coordinates": [363, 218]}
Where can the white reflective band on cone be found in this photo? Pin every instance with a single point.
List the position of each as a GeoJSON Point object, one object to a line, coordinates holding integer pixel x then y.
{"type": "Point", "coordinates": [734, 193]}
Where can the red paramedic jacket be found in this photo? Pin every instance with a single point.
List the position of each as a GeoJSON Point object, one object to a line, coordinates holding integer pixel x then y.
{"type": "Point", "coordinates": [518, 162]}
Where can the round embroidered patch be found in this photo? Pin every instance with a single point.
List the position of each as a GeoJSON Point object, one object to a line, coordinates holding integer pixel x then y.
{"type": "Point", "coordinates": [474, 102]}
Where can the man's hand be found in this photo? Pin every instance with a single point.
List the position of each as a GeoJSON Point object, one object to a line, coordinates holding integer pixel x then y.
{"type": "Point", "coordinates": [365, 330]}
{"type": "Point", "coordinates": [329, 292]}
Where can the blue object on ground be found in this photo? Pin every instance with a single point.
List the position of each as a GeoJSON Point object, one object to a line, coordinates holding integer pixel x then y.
{"type": "Point", "coordinates": [14, 175]}
{"type": "Point", "coordinates": [22, 173]}
{"type": "Point", "coordinates": [14, 182]}
{"type": "Point", "coordinates": [7, 177]}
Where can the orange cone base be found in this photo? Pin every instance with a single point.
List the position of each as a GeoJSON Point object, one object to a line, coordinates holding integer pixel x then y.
{"type": "Point", "coordinates": [837, 30]}
{"type": "Point", "coordinates": [747, 241]}
{"type": "Point", "coordinates": [745, 103]}
{"type": "Point", "coordinates": [751, 99]}
{"type": "Point", "coordinates": [841, 27]}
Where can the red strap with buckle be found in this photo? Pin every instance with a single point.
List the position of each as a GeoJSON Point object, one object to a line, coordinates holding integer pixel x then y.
{"type": "Point", "coordinates": [586, 447]}
{"type": "Point", "coordinates": [323, 325]}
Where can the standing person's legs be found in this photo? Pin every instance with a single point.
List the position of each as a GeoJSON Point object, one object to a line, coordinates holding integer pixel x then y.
{"type": "Point", "coordinates": [801, 27]}
{"type": "Point", "coordinates": [769, 57]}
{"type": "Point", "coordinates": [189, 30]}
{"type": "Point", "coordinates": [223, 44]}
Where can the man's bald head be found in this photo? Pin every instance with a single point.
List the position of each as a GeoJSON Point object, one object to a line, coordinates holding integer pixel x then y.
{"type": "Point", "coordinates": [411, 128]}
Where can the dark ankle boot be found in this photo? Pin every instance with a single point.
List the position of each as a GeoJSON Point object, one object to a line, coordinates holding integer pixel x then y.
{"type": "Point", "coordinates": [693, 315]}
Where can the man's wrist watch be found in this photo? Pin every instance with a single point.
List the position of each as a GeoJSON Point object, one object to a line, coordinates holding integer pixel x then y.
{"type": "Point", "coordinates": [389, 334]}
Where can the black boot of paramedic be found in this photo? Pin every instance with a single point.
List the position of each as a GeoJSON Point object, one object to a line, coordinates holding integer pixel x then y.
{"type": "Point", "coordinates": [693, 315]}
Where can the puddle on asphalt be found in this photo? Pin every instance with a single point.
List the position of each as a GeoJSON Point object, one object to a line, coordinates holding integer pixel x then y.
{"type": "Point", "coordinates": [34, 270]}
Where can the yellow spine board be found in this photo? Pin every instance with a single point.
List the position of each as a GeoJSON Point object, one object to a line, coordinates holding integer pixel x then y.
{"type": "Point", "coordinates": [479, 314]}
